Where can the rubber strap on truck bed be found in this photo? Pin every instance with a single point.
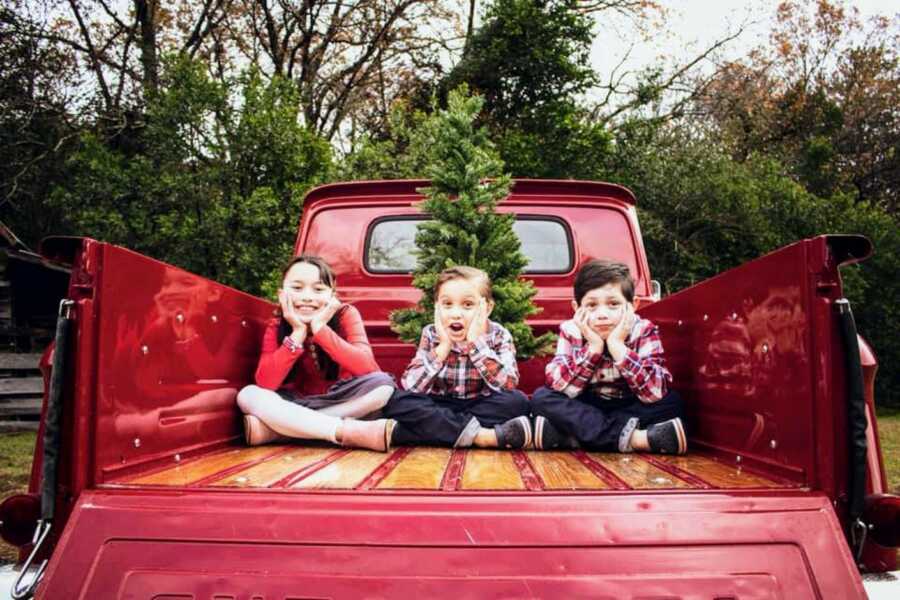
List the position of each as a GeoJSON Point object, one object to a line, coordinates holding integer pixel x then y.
{"type": "Point", "coordinates": [856, 412]}
{"type": "Point", "coordinates": [49, 466]}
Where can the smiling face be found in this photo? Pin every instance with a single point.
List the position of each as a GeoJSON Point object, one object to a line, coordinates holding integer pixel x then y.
{"type": "Point", "coordinates": [458, 300]}
{"type": "Point", "coordinates": [305, 289]}
{"type": "Point", "coordinates": [606, 307]}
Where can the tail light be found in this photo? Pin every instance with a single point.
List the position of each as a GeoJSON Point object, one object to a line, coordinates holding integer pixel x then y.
{"type": "Point", "coordinates": [18, 518]}
{"type": "Point", "coordinates": [882, 515]}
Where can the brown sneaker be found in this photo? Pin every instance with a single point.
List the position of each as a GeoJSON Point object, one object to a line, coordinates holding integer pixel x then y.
{"type": "Point", "coordinates": [374, 435]}
{"type": "Point", "coordinates": [257, 433]}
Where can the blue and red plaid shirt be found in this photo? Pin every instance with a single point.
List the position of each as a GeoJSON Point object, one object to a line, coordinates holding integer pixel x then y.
{"type": "Point", "coordinates": [642, 371]}
{"type": "Point", "coordinates": [470, 369]}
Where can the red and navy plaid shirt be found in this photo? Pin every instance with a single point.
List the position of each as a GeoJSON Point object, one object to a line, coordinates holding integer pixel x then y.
{"type": "Point", "coordinates": [641, 372]}
{"type": "Point", "coordinates": [470, 369]}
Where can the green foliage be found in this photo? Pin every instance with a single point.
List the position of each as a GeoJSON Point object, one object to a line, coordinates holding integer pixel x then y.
{"type": "Point", "coordinates": [36, 132]}
{"type": "Point", "coordinates": [702, 212]}
{"type": "Point", "coordinates": [399, 152]}
{"type": "Point", "coordinates": [467, 182]}
{"type": "Point", "coordinates": [530, 61]}
{"type": "Point", "coordinates": [210, 181]}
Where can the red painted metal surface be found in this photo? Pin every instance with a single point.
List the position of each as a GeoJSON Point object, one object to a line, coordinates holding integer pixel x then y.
{"type": "Point", "coordinates": [172, 350]}
{"type": "Point", "coordinates": [758, 357]}
{"type": "Point", "coordinates": [282, 545]}
{"type": "Point", "coordinates": [601, 218]}
{"type": "Point", "coordinates": [161, 354]}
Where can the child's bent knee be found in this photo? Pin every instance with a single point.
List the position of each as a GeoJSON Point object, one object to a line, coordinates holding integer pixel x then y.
{"type": "Point", "coordinates": [381, 395]}
{"type": "Point", "coordinates": [247, 397]}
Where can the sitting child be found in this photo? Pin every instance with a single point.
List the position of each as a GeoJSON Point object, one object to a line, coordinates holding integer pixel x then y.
{"type": "Point", "coordinates": [461, 383]}
{"type": "Point", "coordinates": [317, 377]}
{"type": "Point", "coordinates": [607, 386]}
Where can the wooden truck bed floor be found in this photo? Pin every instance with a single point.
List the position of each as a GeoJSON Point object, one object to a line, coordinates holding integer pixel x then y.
{"type": "Point", "coordinates": [446, 470]}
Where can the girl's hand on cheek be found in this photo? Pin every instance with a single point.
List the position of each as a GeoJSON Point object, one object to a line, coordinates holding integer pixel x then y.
{"type": "Point", "coordinates": [321, 317]}
{"type": "Point", "coordinates": [293, 319]}
{"type": "Point", "coordinates": [478, 326]}
{"type": "Point", "coordinates": [287, 309]}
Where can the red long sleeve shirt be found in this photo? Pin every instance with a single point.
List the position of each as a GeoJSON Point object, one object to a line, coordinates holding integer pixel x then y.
{"type": "Point", "coordinates": [349, 347]}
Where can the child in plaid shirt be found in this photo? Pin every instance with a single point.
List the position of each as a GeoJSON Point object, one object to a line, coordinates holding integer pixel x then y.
{"type": "Point", "coordinates": [607, 386]}
{"type": "Point", "coordinates": [460, 388]}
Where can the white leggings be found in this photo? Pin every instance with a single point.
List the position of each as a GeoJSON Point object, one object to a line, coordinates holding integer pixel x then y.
{"type": "Point", "coordinates": [296, 421]}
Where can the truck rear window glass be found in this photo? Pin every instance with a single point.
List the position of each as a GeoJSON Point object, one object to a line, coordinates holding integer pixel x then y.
{"type": "Point", "coordinates": [546, 244]}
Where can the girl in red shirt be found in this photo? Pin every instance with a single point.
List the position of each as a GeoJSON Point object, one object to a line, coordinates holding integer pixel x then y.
{"type": "Point", "coordinates": [317, 377]}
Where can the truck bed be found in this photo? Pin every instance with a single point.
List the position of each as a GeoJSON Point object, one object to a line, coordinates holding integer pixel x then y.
{"type": "Point", "coordinates": [307, 467]}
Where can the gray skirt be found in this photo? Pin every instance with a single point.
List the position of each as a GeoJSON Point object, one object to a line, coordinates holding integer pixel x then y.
{"type": "Point", "coordinates": [341, 391]}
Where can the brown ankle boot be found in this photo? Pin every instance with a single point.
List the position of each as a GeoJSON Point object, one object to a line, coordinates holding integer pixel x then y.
{"type": "Point", "coordinates": [257, 433]}
{"type": "Point", "coordinates": [374, 435]}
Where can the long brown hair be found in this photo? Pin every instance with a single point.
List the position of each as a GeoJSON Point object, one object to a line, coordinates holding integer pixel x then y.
{"type": "Point", "coordinates": [327, 365]}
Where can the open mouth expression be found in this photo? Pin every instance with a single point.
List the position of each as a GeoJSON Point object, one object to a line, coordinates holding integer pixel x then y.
{"type": "Point", "coordinates": [458, 301]}
{"type": "Point", "coordinates": [456, 329]}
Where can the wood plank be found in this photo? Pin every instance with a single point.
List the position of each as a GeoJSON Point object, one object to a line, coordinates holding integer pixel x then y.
{"type": "Point", "coordinates": [717, 473]}
{"type": "Point", "coordinates": [14, 426]}
{"type": "Point", "coordinates": [20, 407]}
{"type": "Point", "coordinates": [275, 468]}
{"type": "Point", "coordinates": [19, 361]}
{"type": "Point", "coordinates": [30, 386]}
{"type": "Point", "coordinates": [636, 472]}
{"type": "Point", "coordinates": [345, 473]}
{"type": "Point", "coordinates": [205, 467]}
{"type": "Point", "coordinates": [562, 471]}
{"type": "Point", "coordinates": [491, 470]}
{"type": "Point", "coordinates": [422, 469]}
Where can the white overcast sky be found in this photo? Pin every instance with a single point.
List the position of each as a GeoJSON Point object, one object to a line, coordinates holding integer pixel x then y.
{"type": "Point", "coordinates": [696, 24]}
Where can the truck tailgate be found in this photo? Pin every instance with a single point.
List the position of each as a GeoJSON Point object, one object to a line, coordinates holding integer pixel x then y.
{"type": "Point", "coordinates": [244, 544]}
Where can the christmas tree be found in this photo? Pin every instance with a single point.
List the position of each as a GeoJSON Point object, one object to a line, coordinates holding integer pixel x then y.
{"type": "Point", "coordinates": [467, 182]}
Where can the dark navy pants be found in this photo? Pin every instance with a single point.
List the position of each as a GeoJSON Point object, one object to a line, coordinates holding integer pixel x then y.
{"type": "Point", "coordinates": [596, 423]}
{"type": "Point", "coordinates": [440, 420]}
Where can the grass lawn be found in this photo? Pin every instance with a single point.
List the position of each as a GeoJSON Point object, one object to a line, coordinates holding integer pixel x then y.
{"type": "Point", "coordinates": [16, 450]}
{"type": "Point", "coordinates": [889, 433]}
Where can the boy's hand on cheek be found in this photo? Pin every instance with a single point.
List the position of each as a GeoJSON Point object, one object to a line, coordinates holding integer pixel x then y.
{"type": "Point", "coordinates": [590, 335]}
{"type": "Point", "coordinates": [478, 326]}
{"type": "Point", "coordinates": [619, 334]}
{"type": "Point", "coordinates": [444, 343]}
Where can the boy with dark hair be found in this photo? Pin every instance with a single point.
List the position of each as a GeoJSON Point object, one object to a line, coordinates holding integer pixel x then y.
{"type": "Point", "coordinates": [607, 386]}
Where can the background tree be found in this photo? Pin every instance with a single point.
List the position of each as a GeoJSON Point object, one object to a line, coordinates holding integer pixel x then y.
{"type": "Point", "coordinates": [530, 62]}
{"type": "Point", "coordinates": [347, 59]}
{"type": "Point", "coordinates": [467, 182]}
{"type": "Point", "coordinates": [37, 131]}
{"type": "Point", "coordinates": [179, 127]}
{"type": "Point", "coordinates": [821, 97]}
{"type": "Point", "coordinates": [214, 182]}
{"type": "Point", "coordinates": [703, 212]}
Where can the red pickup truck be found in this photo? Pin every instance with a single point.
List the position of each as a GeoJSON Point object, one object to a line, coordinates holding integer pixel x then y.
{"type": "Point", "coordinates": [149, 492]}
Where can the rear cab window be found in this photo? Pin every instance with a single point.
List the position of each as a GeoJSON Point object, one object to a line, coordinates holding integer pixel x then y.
{"type": "Point", "coordinates": [546, 243]}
